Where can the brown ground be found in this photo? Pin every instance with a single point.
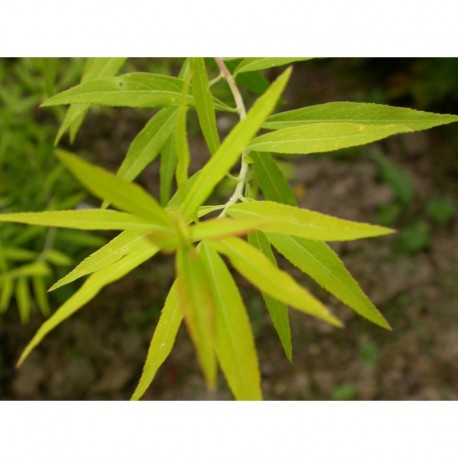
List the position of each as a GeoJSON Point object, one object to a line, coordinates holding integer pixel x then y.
{"type": "Point", "coordinates": [98, 354]}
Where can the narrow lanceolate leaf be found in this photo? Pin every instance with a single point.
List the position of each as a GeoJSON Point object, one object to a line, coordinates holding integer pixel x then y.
{"type": "Point", "coordinates": [181, 137]}
{"type": "Point", "coordinates": [251, 64]}
{"type": "Point", "coordinates": [198, 309]}
{"type": "Point", "coordinates": [162, 342]}
{"type": "Point", "coordinates": [257, 269]}
{"type": "Point", "coordinates": [124, 195]}
{"type": "Point", "coordinates": [122, 245]}
{"type": "Point", "coordinates": [39, 291]}
{"type": "Point", "coordinates": [204, 104]}
{"type": "Point", "coordinates": [83, 219]}
{"type": "Point", "coordinates": [137, 90]}
{"type": "Point", "coordinates": [231, 148]}
{"type": "Point", "coordinates": [148, 143]}
{"type": "Point", "coordinates": [278, 311]}
{"type": "Point", "coordinates": [6, 292]}
{"type": "Point", "coordinates": [167, 170]}
{"type": "Point", "coordinates": [220, 228]}
{"type": "Point", "coordinates": [320, 262]}
{"type": "Point", "coordinates": [323, 137]}
{"type": "Point", "coordinates": [234, 339]}
{"type": "Point", "coordinates": [35, 269]}
{"type": "Point", "coordinates": [271, 180]}
{"type": "Point", "coordinates": [23, 299]}
{"type": "Point", "coordinates": [88, 291]}
{"type": "Point", "coordinates": [95, 68]}
{"type": "Point", "coordinates": [305, 223]}
{"type": "Point", "coordinates": [359, 113]}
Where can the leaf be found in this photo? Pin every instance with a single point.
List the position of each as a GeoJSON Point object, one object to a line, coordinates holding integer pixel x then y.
{"type": "Point", "coordinates": [234, 339]}
{"type": "Point", "coordinates": [29, 270]}
{"type": "Point", "coordinates": [6, 292]}
{"type": "Point", "coordinates": [251, 64]}
{"type": "Point", "coordinates": [88, 291]}
{"type": "Point", "coordinates": [181, 138]}
{"type": "Point", "coordinates": [122, 245]}
{"type": "Point", "coordinates": [278, 311]}
{"type": "Point", "coordinates": [359, 113]}
{"type": "Point", "coordinates": [305, 223]}
{"type": "Point", "coordinates": [148, 143]}
{"type": "Point", "coordinates": [95, 68]}
{"type": "Point", "coordinates": [122, 194]}
{"type": "Point", "coordinates": [220, 228]}
{"type": "Point", "coordinates": [323, 137]}
{"type": "Point", "coordinates": [39, 290]}
{"type": "Point", "coordinates": [271, 179]}
{"type": "Point", "coordinates": [257, 269]}
{"type": "Point", "coordinates": [167, 171]}
{"type": "Point", "coordinates": [136, 90]}
{"type": "Point", "coordinates": [23, 299]}
{"type": "Point", "coordinates": [18, 254]}
{"type": "Point", "coordinates": [58, 258]}
{"type": "Point", "coordinates": [231, 148]}
{"type": "Point", "coordinates": [83, 219]}
{"type": "Point", "coordinates": [198, 309]}
{"type": "Point", "coordinates": [162, 342]}
{"type": "Point", "coordinates": [320, 262]}
{"type": "Point", "coordinates": [204, 104]}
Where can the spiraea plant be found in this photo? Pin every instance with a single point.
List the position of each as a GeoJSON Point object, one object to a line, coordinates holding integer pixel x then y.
{"type": "Point", "coordinates": [258, 219]}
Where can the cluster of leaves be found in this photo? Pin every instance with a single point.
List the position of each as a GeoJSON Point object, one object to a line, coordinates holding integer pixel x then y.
{"type": "Point", "coordinates": [33, 179]}
{"type": "Point", "coordinates": [262, 208]}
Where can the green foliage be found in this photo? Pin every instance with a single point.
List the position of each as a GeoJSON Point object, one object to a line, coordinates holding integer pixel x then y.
{"type": "Point", "coordinates": [204, 295]}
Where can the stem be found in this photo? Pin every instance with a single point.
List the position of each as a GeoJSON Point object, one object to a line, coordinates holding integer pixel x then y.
{"type": "Point", "coordinates": [242, 177]}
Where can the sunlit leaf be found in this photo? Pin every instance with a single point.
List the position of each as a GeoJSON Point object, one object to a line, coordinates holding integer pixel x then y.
{"type": "Point", "coordinates": [231, 148]}
{"type": "Point", "coordinates": [234, 339]}
{"type": "Point", "coordinates": [122, 245]}
{"type": "Point", "coordinates": [277, 310]}
{"type": "Point", "coordinates": [167, 170]}
{"type": "Point", "coordinates": [148, 143]}
{"type": "Point", "coordinates": [204, 104]}
{"type": "Point", "coordinates": [98, 67]}
{"type": "Point", "coordinates": [323, 137]}
{"type": "Point", "coordinates": [219, 228]}
{"type": "Point", "coordinates": [257, 269]}
{"type": "Point", "coordinates": [318, 261]}
{"type": "Point", "coordinates": [198, 309]}
{"type": "Point", "coordinates": [162, 341]}
{"type": "Point", "coordinates": [122, 194]}
{"type": "Point", "coordinates": [88, 291]}
{"type": "Point", "coordinates": [136, 90]}
{"type": "Point", "coordinates": [83, 219]}
{"type": "Point", "coordinates": [305, 223]}
{"type": "Point", "coordinates": [358, 113]}
{"type": "Point", "coordinates": [251, 64]}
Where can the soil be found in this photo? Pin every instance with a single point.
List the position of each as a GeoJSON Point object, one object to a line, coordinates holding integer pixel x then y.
{"type": "Point", "coordinates": [99, 352]}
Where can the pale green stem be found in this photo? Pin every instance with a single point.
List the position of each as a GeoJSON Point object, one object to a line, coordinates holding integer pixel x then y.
{"type": "Point", "coordinates": [243, 174]}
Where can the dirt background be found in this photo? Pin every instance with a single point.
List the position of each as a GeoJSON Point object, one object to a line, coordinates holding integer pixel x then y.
{"type": "Point", "coordinates": [99, 352]}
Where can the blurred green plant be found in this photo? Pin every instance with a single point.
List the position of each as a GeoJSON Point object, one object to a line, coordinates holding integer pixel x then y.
{"type": "Point", "coordinates": [257, 218]}
{"type": "Point", "coordinates": [33, 179]}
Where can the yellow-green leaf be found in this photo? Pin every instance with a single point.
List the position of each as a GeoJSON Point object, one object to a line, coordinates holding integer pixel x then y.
{"type": "Point", "coordinates": [277, 310]}
{"type": "Point", "coordinates": [88, 291]}
{"type": "Point", "coordinates": [234, 339]}
{"type": "Point", "coordinates": [359, 113]}
{"type": "Point", "coordinates": [23, 299]}
{"type": "Point", "coordinates": [323, 137]}
{"type": "Point", "coordinates": [84, 219]}
{"type": "Point", "coordinates": [122, 245]}
{"type": "Point", "coordinates": [231, 148]}
{"type": "Point", "coordinates": [257, 269]}
{"type": "Point", "coordinates": [167, 170]}
{"type": "Point", "coordinates": [29, 270]}
{"type": "Point", "coordinates": [198, 309]}
{"type": "Point", "coordinates": [162, 341]}
{"type": "Point", "coordinates": [320, 262]}
{"type": "Point", "coordinates": [41, 297]}
{"type": "Point", "coordinates": [204, 104]}
{"type": "Point", "coordinates": [305, 223]}
{"type": "Point", "coordinates": [124, 195]}
{"type": "Point", "coordinates": [6, 292]}
{"type": "Point", "coordinates": [251, 64]}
